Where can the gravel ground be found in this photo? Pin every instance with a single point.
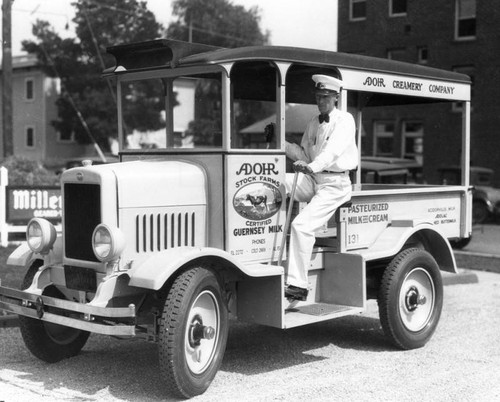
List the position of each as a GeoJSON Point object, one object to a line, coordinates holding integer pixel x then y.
{"type": "Point", "coordinates": [347, 359]}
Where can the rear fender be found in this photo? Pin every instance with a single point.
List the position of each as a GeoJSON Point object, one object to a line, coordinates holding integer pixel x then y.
{"type": "Point", "coordinates": [156, 270]}
{"type": "Point", "coordinates": [401, 234]}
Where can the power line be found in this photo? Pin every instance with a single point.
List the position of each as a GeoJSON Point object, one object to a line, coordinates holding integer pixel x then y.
{"type": "Point", "coordinates": [19, 10]}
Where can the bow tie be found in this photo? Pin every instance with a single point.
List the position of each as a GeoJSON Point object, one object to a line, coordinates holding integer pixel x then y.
{"type": "Point", "coordinates": [324, 117]}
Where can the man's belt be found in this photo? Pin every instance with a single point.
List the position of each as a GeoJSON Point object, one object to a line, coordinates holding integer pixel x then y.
{"type": "Point", "coordinates": [332, 172]}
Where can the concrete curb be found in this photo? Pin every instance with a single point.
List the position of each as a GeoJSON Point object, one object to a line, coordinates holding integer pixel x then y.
{"type": "Point", "coordinates": [478, 261]}
{"type": "Point", "coordinates": [463, 277]}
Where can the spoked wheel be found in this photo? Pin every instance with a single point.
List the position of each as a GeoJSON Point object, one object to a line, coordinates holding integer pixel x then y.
{"type": "Point", "coordinates": [47, 341]}
{"type": "Point", "coordinates": [411, 298]}
{"type": "Point", "coordinates": [193, 332]}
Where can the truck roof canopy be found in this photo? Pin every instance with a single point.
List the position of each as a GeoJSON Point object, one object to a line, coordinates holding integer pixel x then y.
{"type": "Point", "coordinates": [358, 72]}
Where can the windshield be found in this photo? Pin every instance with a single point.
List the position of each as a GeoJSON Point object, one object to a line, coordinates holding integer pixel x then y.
{"type": "Point", "coordinates": [180, 112]}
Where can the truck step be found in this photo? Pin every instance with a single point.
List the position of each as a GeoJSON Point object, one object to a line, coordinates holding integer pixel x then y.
{"type": "Point", "coordinates": [303, 314]}
{"type": "Point", "coordinates": [320, 309]}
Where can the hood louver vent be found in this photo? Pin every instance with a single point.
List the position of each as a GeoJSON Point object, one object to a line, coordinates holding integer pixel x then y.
{"type": "Point", "coordinates": [157, 232]}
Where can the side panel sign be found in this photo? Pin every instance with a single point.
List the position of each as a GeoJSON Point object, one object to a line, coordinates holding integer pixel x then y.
{"type": "Point", "coordinates": [256, 198]}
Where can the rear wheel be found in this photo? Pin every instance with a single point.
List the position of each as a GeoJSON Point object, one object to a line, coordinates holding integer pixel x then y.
{"type": "Point", "coordinates": [47, 341]}
{"type": "Point", "coordinates": [193, 332]}
{"type": "Point", "coordinates": [480, 212]}
{"type": "Point", "coordinates": [411, 298]}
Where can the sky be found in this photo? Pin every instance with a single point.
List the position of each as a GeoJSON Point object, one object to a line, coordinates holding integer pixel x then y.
{"type": "Point", "coordinates": [299, 23]}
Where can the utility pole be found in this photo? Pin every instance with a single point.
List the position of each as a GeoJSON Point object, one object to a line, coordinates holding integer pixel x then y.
{"type": "Point", "coordinates": [7, 131]}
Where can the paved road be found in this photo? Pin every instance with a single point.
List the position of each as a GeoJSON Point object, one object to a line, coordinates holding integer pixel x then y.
{"type": "Point", "coordinates": [344, 359]}
{"type": "Point", "coordinates": [483, 251]}
{"type": "Point", "coordinates": [485, 240]}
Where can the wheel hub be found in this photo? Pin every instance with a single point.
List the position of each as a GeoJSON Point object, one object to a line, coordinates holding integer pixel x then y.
{"type": "Point", "coordinates": [198, 331]}
{"type": "Point", "coordinates": [414, 299]}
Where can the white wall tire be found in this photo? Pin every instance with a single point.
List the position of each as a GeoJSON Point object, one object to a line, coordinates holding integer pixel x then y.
{"type": "Point", "coordinates": [410, 298]}
{"type": "Point", "coordinates": [193, 333]}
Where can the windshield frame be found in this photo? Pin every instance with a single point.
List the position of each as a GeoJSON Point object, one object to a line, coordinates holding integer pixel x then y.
{"type": "Point", "coordinates": [171, 74]}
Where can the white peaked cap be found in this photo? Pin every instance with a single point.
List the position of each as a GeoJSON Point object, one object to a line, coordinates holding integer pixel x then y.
{"type": "Point", "coordinates": [326, 84]}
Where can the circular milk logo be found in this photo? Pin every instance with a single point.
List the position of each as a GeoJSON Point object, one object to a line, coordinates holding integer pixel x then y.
{"type": "Point", "coordinates": [257, 201]}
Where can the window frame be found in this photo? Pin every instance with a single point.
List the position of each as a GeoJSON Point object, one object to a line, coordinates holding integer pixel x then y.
{"type": "Point", "coordinates": [27, 130]}
{"type": "Point", "coordinates": [459, 19]}
{"type": "Point", "coordinates": [351, 9]}
{"type": "Point", "coordinates": [400, 14]}
{"type": "Point", "coordinates": [385, 134]}
{"type": "Point", "coordinates": [405, 135]}
{"type": "Point", "coordinates": [420, 58]}
{"type": "Point", "coordinates": [29, 82]}
{"type": "Point", "coordinates": [64, 140]}
{"type": "Point", "coordinates": [169, 74]}
{"type": "Point", "coordinates": [390, 53]}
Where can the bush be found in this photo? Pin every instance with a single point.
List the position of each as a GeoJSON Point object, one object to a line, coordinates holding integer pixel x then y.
{"type": "Point", "coordinates": [27, 172]}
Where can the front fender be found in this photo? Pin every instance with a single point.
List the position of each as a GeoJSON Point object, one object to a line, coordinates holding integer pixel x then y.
{"type": "Point", "coordinates": [155, 271]}
{"type": "Point", "coordinates": [22, 256]}
{"type": "Point", "coordinates": [395, 237]}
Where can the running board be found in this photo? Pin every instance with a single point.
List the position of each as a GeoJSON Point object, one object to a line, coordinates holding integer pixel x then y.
{"type": "Point", "coordinates": [303, 314]}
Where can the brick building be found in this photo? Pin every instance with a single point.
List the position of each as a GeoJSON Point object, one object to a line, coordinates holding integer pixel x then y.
{"type": "Point", "coordinates": [459, 35]}
{"type": "Point", "coordinates": [33, 108]}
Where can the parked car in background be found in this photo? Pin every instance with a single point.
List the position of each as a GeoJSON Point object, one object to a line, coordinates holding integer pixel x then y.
{"type": "Point", "coordinates": [486, 198]}
{"type": "Point", "coordinates": [387, 170]}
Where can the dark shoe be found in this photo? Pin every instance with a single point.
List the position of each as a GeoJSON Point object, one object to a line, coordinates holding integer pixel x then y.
{"type": "Point", "coordinates": [295, 293]}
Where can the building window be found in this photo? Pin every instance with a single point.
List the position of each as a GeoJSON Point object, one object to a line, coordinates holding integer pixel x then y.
{"type": "Point", "coordinates": [357, 10]}
{"type": "Point", "coordinates": [383, 138]}
{"type": "Point", "coordinates": [423, 54]}
{"type": "Point", "coordinates": [465, 24]}
{"type": "Point", "coordinates": [397, 54]}
{"type": "Point", "coordinates": [467, 70]}
{"type": "Point", "coordinates": [397, 8]}
{"type": "Point", "coordinates": [67, 136]}
{"type": "Point", "coordinates": [30, 137]}
{"type": "Point", "coordinates": [413, 140]}
{"type": "Point", "coordinates": [29, 93]}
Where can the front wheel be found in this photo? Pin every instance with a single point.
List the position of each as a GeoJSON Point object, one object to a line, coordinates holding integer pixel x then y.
{"type": "Point", "coordinates": [49, 342]}
{"type": "Point", "coordinates": [411, 298]}
{"type": "Point", "coordinates": [193, 332]}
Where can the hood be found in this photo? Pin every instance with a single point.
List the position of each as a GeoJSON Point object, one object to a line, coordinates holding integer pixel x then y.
{"type": "Point", "coordinates": [147, 183]}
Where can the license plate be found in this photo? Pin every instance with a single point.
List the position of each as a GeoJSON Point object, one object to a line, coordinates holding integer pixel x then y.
{"type": "Point", "coordinates": [78, 278]}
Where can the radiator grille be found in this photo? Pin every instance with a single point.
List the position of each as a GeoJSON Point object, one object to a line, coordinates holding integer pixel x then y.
{"type": "Point", "coordinates": [82, 213]}
{"type": "Point", "coordinates": [156, 232]}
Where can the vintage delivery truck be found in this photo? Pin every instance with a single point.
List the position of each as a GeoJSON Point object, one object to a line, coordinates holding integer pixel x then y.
{"type": "Point", "coordinates": [189, 228]}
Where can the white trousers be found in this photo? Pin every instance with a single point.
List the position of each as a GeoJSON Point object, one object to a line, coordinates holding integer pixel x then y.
{"type": "Point", "coordinates": [324, 192]}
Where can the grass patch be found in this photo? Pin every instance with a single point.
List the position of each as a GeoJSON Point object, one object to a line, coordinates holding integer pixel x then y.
{"type": "Point", "coordinates": [11, 276]}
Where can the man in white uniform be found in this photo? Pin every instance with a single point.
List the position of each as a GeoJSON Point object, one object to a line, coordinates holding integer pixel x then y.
{"type": "Point", "coordinates": [326, 155]}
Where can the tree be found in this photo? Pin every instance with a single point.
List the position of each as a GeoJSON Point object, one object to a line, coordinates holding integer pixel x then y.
{"type": "Point", "coordinates": [217, 23]}
{"type": "Point", "coordinates": [87, 106]}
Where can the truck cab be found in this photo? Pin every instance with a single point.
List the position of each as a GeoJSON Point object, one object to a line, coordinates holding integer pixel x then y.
{"type": "Point", "coordinates": [190, 226]}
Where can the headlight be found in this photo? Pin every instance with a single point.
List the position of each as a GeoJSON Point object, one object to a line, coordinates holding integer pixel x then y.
{"type": "Point", "coordinates": [108, 242]}
{"type": "Point", "coordinates": [41, 235]}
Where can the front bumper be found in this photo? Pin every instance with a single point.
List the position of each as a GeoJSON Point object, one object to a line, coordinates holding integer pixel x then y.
{"type": "Point", "coordinates": [116, 321]}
